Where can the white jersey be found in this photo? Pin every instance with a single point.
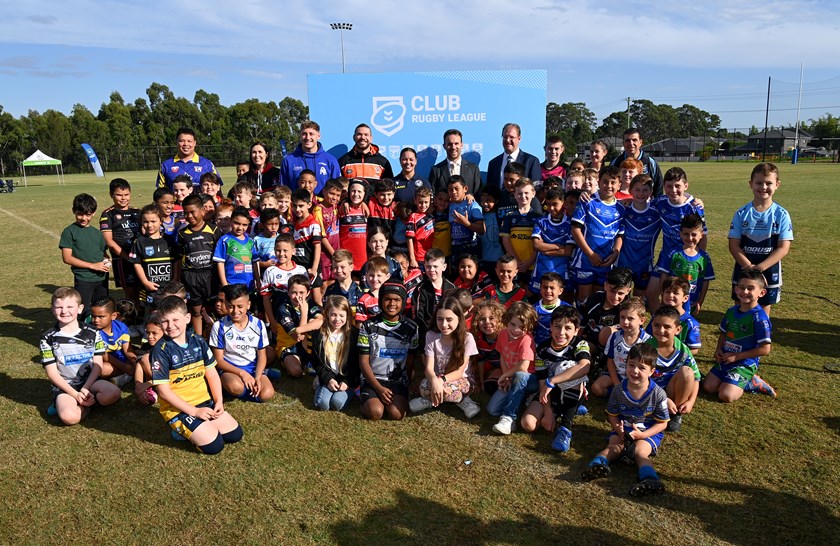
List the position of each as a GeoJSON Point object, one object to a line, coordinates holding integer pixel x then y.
{"type": "Point", "coordinates": [617, 349]}
{"type": "Point", "coordinates": [240, 346]}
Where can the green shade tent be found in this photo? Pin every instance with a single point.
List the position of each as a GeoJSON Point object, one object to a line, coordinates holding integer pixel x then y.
{"type": "Point", "coordinates": [40, 159]}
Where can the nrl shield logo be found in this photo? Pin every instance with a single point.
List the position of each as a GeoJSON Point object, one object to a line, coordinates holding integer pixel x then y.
{"type": "Point", "coordinates": [388, 115]}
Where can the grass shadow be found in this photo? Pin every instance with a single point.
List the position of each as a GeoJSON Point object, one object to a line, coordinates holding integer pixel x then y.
{"type": "Point", "coordinates": [36, 320]}
{"type": "Point", "coordinates": [48, 288]}
{"type": "Point", "coordinates": [761, 516]}
{"type": "Point", "coordinates": [807, 336]}
{"type": "Point", "coordinates": [833, 423]}
{"type": "Point", "coordinates": [414, 520]}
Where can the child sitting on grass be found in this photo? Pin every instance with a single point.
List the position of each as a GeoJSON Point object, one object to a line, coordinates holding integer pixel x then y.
{"type": "Point", "coordinates": [486, 327]}
{"type": "Point", "coordinates": [631, 317]}
{"type": "Point", "coordinates": [71, 354]}
{"type": "Point", "coordinates": [119, 360]}
{"type": "Point", "coordinates": [638, 415]}
{"type": "Point", "coordinates": [335, 356]}
{"type": "Point", "coordinates": [143, 389]}
{"type": "Point", "coordinates": [184, 374]}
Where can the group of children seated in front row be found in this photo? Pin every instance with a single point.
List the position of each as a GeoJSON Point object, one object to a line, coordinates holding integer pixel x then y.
{"type": "Point", "coordinates": [479, 333]}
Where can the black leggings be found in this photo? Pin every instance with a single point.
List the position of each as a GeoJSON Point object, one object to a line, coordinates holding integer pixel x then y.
{"type": "Point", "coordinates": [91, 291]}
{"type": "Point", "coordinates": [564, 404]}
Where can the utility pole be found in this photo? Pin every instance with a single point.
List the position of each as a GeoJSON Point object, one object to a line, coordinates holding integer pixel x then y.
{"type": "Point", "coordinates": [628, 112]}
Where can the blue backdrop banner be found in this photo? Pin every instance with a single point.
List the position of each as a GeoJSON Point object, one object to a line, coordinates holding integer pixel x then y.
{"type": "Point", "coordinates": [413, 109]}
{"type": "Point", "coordinates": [94, 161]}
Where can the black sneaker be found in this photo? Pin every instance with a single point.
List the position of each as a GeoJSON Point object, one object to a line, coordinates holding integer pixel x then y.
{"type": "Point", "coordinates": [675, 424]}
{"type": "Point", "coordinates": [648, 486]}
{"type": "Point", "coordinates": [595, 471]}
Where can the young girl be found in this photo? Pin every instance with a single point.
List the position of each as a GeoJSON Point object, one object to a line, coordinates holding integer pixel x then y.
{"type": "Point", "coordinates": [516, 361]}
{"type": "Point", "coordinates": [486, 327]}
{"type": "Point", "coordinates": [352, 223]}
{"type": "Point", "coordinates": [284, 205]}
{"type": "Point", "coordinates": [151, 254]}
{"type": "Point", "coordinates": [477, 283]}
{"type": "Point", "coordinates": [446, 359]}
{"type": "Point", "coordinates": [143, 389]}
{"type": "Point", "coordinates": [377, 242]}
{"type": "Point", "coordinates": [335, 356]}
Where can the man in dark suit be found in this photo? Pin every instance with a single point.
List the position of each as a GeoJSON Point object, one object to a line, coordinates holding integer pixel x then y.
{"type": "Point", "coordinates": [455, 164]}
{"type": "Point", "coordinates": [511, 135]}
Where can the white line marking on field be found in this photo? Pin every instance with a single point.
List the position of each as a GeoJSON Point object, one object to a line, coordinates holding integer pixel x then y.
{"type": "Point", "coordinates": [44, 230]}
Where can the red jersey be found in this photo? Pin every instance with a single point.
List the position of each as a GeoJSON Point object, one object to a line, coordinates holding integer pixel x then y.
{"type": "Point", "coordinates": [307, 235]}
{"type": "Point", "coordinates": [421, 228]}
{"type": "Point", "coordinates": [352, 234]}
{"type": "Point", "coordinates": [480, 288]}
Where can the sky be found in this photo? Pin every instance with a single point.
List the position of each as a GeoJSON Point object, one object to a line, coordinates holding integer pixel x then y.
{"type": "Point", "coordinates": [716, 55]}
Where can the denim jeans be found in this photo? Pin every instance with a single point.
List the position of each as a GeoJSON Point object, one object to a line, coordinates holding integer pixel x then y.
{"type": "Point", "coordinates": [325, 399]}
{"type": "Point", "coordinates": [507, 403]}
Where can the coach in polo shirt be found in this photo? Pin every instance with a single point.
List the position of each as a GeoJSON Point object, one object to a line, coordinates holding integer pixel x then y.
{"type": "Point", "coordinates": [186, 161]}
{"type": "Point", "coordinates": [455, 164]}
{"type": "Point", "coordinates": [511, 135]}
{"type": "Point", "coordinates": [633, 148]}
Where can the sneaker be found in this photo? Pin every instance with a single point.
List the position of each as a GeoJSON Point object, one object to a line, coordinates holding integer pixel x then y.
{"type": "Point", "coordinates": [419, 404]}
{"type": "Point", "coordinates": [52, 411]}
{"type": "Point", "coordinates": [177, 436]}
{"type": "Point", "coordinates": [675, 424]}
{"type": "Point", "coordinates": [469, 407]}
{"type": "Point", "coordinates": [151, 396]}
{"type": "Point", "coordinates": [562, 441]}
{"type": "Point", "coordinates": [759, 386]}
{"type": "Point", "coordinates": [628, 454]}
{"type": "Point", "coordinates": [505, 426]}
{"type": "Point", "coordinates": [648, 486]}
{"type": "Point", "coordinates": [309, 369]}
{"type": "Point", "coordinates": [582, 410]}
{"type": "Point", "coordinates": [122, 380]}
{"type": "Point", "coordinates": [595, 471]}
{"type": "Point", "coordinates": [273, 374]}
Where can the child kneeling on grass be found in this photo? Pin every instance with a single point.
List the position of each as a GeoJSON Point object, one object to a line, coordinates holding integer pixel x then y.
{"type": "Point", "coordinates": [240, 343]}
{"type": "Point", "coordinates": [184, 374]}
{"type": "Point", "coordinates": [72, 357]}
{"type": "Point", "coordinates": [638, 414]}
{"type": "Point", "coordinates": [446, 358]}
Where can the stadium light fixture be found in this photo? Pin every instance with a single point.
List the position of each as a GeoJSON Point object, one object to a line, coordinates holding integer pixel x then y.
{"type": "Point", "coordinates": [341, 27]}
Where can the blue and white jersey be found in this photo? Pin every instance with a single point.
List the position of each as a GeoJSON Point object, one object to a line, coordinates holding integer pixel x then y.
{"type": "Point", "coordinates": [240, 346]}
{"type": "Point", "coordinates": [759, 234]}
{"type": "Point", "coordinates": [644, 412]}
{"type": "Point", "coordinates": [641, 229]}
{"type": "Point", "coordinates": [542, 329]}
{"type": "Point", "coordinates": [554, 233]}
{"type": "Point", "coordinates": [618, 349]}
{"type": "Point", "coordinates": [601, 224]}
{"type": "Point", "coordinates": [671, 216]}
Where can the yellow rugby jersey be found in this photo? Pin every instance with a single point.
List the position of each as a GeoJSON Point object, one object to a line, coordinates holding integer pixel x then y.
{"type": "Point", "coordinates": [519, 227]}
{"type": "Point", "coordinates": [182, 368]}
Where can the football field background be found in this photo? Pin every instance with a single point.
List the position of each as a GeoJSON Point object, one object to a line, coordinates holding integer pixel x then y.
{"type": "Point", "coordinates": [760, 471]}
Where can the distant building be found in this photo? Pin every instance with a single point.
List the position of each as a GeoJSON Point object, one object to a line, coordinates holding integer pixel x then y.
{"type": "Point", "coordinates": [680, 147]}
{"type": "Point", "coordinates": [779, 141]}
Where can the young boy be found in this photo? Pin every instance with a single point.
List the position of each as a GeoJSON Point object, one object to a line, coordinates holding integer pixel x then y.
{"type": "Point", "coordinates": [84, 249]}
{"type": "Point", "coordinates": [638, 415]}
{"type": "Point", "coordinates": [171, 219]}
{"type": "Point", "coordinates": [431, 290]}
{"type": "Point", "coordinates": [676, 371]}
{"type": "Point", "coordinates": [239, 342]}
{"type": "Point", "coordinates": [243, 196]}
{"type": "Point", "coordinates": [598, 232]}
{"type": "Point", "coordinates": [275, 279]}
{"type": "Point", "coordinates": [641, 229]}
{"type": "Point", "coordinates": [223, 216]}
{"type": "Point", "coordinates": [744, 339]}
{"type": "Point", "coordinates": [352, 223]}
{"type": "Point", "coordinates": [120, 224]}
{"type": "Point", "coordinates": [211, 185]}
{"type": "Point", "coordinates": [675, 293]}
{"type": "Point", "coordinates": [518, 227]}
{"type": "Point", "coordinates": [600, 311]}
{"type": "Point", "coordinates": [571, 198]}
{"type": "Point", "coordinates": [507, 291]}
{"type": "Point", "coordinates": [185, 377]}
{"type": "Point", "coordinates": [692, 263]}
{"type": "Point", "coordinates": [465, 216]}
{"type": "Point", "coordinates": [235, 250]}
{"type": "Point", "coordinates": [420, 228]}
{"type": "Point", "coordinates": [308, 181]}
{"type": "Point", "coordinates": [119, 360]}
{"type": "Point", "coordinates": [382, 205]}
{"type": "Point", "coordinates": [672, 208]}
{"type": "Point", "coordinates": [761, 234]}
{"type": "Point", "coordinates": [443, 229]}
{"type": "Point", "coordinates": [551, 288]}
{"type": "Point", "coordinates": [512, 174]}
{"type": "Point", "coordinates": [387, 344]}
{"type": "Point", "coordinates": [628, 169]}
{"type": "Point", "coordinates": [196, 244]}
{"type": "Point", "coordinates": [182, 186]}
{"type": "Point", "coordinates": [152, 256]}
{"type": "Point", "coordinates": [326, 214]}
{"type": "Point", "coordinates": [71, 353]}
{"type": "Point", "coordinates": [574, 180]}
{"type": "Point", "coordinates": [561, 365]}
{"type": "Point", "coordinates": [264, 256]}
{"type": "Point", "coordinates": [296, 315]}
{"type": "Point", "coordinates": [491, 245]}
{"type": "Point", "coordinates": [344, 285]}
{"type": "Point", "coordinates": [376, 272]}
{"type": "Point", "coordinates": [551, 240]}
{"type": "Point", "coordinates": [631, 316]}
{"type": "Point", "coordinates": [591, 177]}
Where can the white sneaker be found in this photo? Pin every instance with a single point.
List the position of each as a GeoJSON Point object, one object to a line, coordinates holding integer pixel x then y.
{"type": "Point", "coordinates": [505, 426]}
{"type": "Point", "coordinates": [469, 406]}
{"type": "Point", "coordinates": [419, 404]}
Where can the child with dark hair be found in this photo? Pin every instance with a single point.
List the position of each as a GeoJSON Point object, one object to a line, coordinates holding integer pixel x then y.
{"type": "Point", "coordinates": [84, 249]}
{"type": "Point", "coordinates": [691, 262]}
{"type": "Point", "coordinates": [152, 255]}
{"type": "Point", "coordinates": [234, 251]}
{"type": "Point", "coordinates": [382, 205]}
{"type": "Point", "coordinates": [120, 224]}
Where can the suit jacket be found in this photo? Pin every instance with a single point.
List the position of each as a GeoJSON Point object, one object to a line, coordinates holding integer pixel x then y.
{"type": "Point", "coordinates": [532, 168]}
{"type": "Point", "coordinates": [439, 176]}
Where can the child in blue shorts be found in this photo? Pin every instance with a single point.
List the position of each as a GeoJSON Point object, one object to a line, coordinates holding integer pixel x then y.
{"type": "Point", "coordinates": [638, 414]}
{"type": "Point", "coordinates": [642, 225]}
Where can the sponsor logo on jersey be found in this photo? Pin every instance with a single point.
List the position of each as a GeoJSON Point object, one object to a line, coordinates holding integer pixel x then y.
{"type": "Point", "coordinates": [149, 250]}
{"type": "Point", "coordinates": [174, 168]}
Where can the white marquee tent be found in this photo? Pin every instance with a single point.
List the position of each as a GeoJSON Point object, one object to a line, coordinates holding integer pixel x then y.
{"type": "Point", "coordinates": [40, 159]}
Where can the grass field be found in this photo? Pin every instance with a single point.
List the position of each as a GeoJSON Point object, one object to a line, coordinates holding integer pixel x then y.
{"type": "Point", "coordinates": [760, 471]}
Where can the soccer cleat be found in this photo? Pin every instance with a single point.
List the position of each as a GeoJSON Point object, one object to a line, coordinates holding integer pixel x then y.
{"type": "Point", "coordinates": [273, 374]}
{"type": "Point", "coordinates": [52, 411]}
{"type": "Point", "coordinates": [469, 407]}
{"type": "Point", "coordinates": [419, 404]}
{"type": "Point", "coordinates": [505, 426]}
{"type": "Point", "coordinates": [582, 410]}
{"type": "Point", "coordinates": [595, 471]}
{"type": "Point", "coordinates": [759, 386]}
{"type": "Point", "coordinates": [647, 486]}
{"type": "Point", "coordinates": [675, 423]}
{"type": "Point", "coordinates": [562, 441]}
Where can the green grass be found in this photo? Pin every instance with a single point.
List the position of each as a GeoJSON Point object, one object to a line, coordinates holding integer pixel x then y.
{"type": "Point", "coordinates": [757, 471]}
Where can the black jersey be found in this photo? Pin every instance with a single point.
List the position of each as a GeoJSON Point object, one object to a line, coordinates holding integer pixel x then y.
{"type": "Point", "coordinates": [195, 248]}
{"type": "Point", "coordinates": [155, 256]}
{"type": "Point", "coordinates": [124, 225]}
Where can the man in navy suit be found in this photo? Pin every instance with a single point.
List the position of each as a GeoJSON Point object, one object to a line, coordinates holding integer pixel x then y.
{"type": "Point", "coordinates": [511, 135]}
{"type": "Point", "coordinates": [455, 164]}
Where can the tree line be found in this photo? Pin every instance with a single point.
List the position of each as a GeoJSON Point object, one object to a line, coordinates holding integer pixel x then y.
{"type": "Point", "coordinates": [140, 134]}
